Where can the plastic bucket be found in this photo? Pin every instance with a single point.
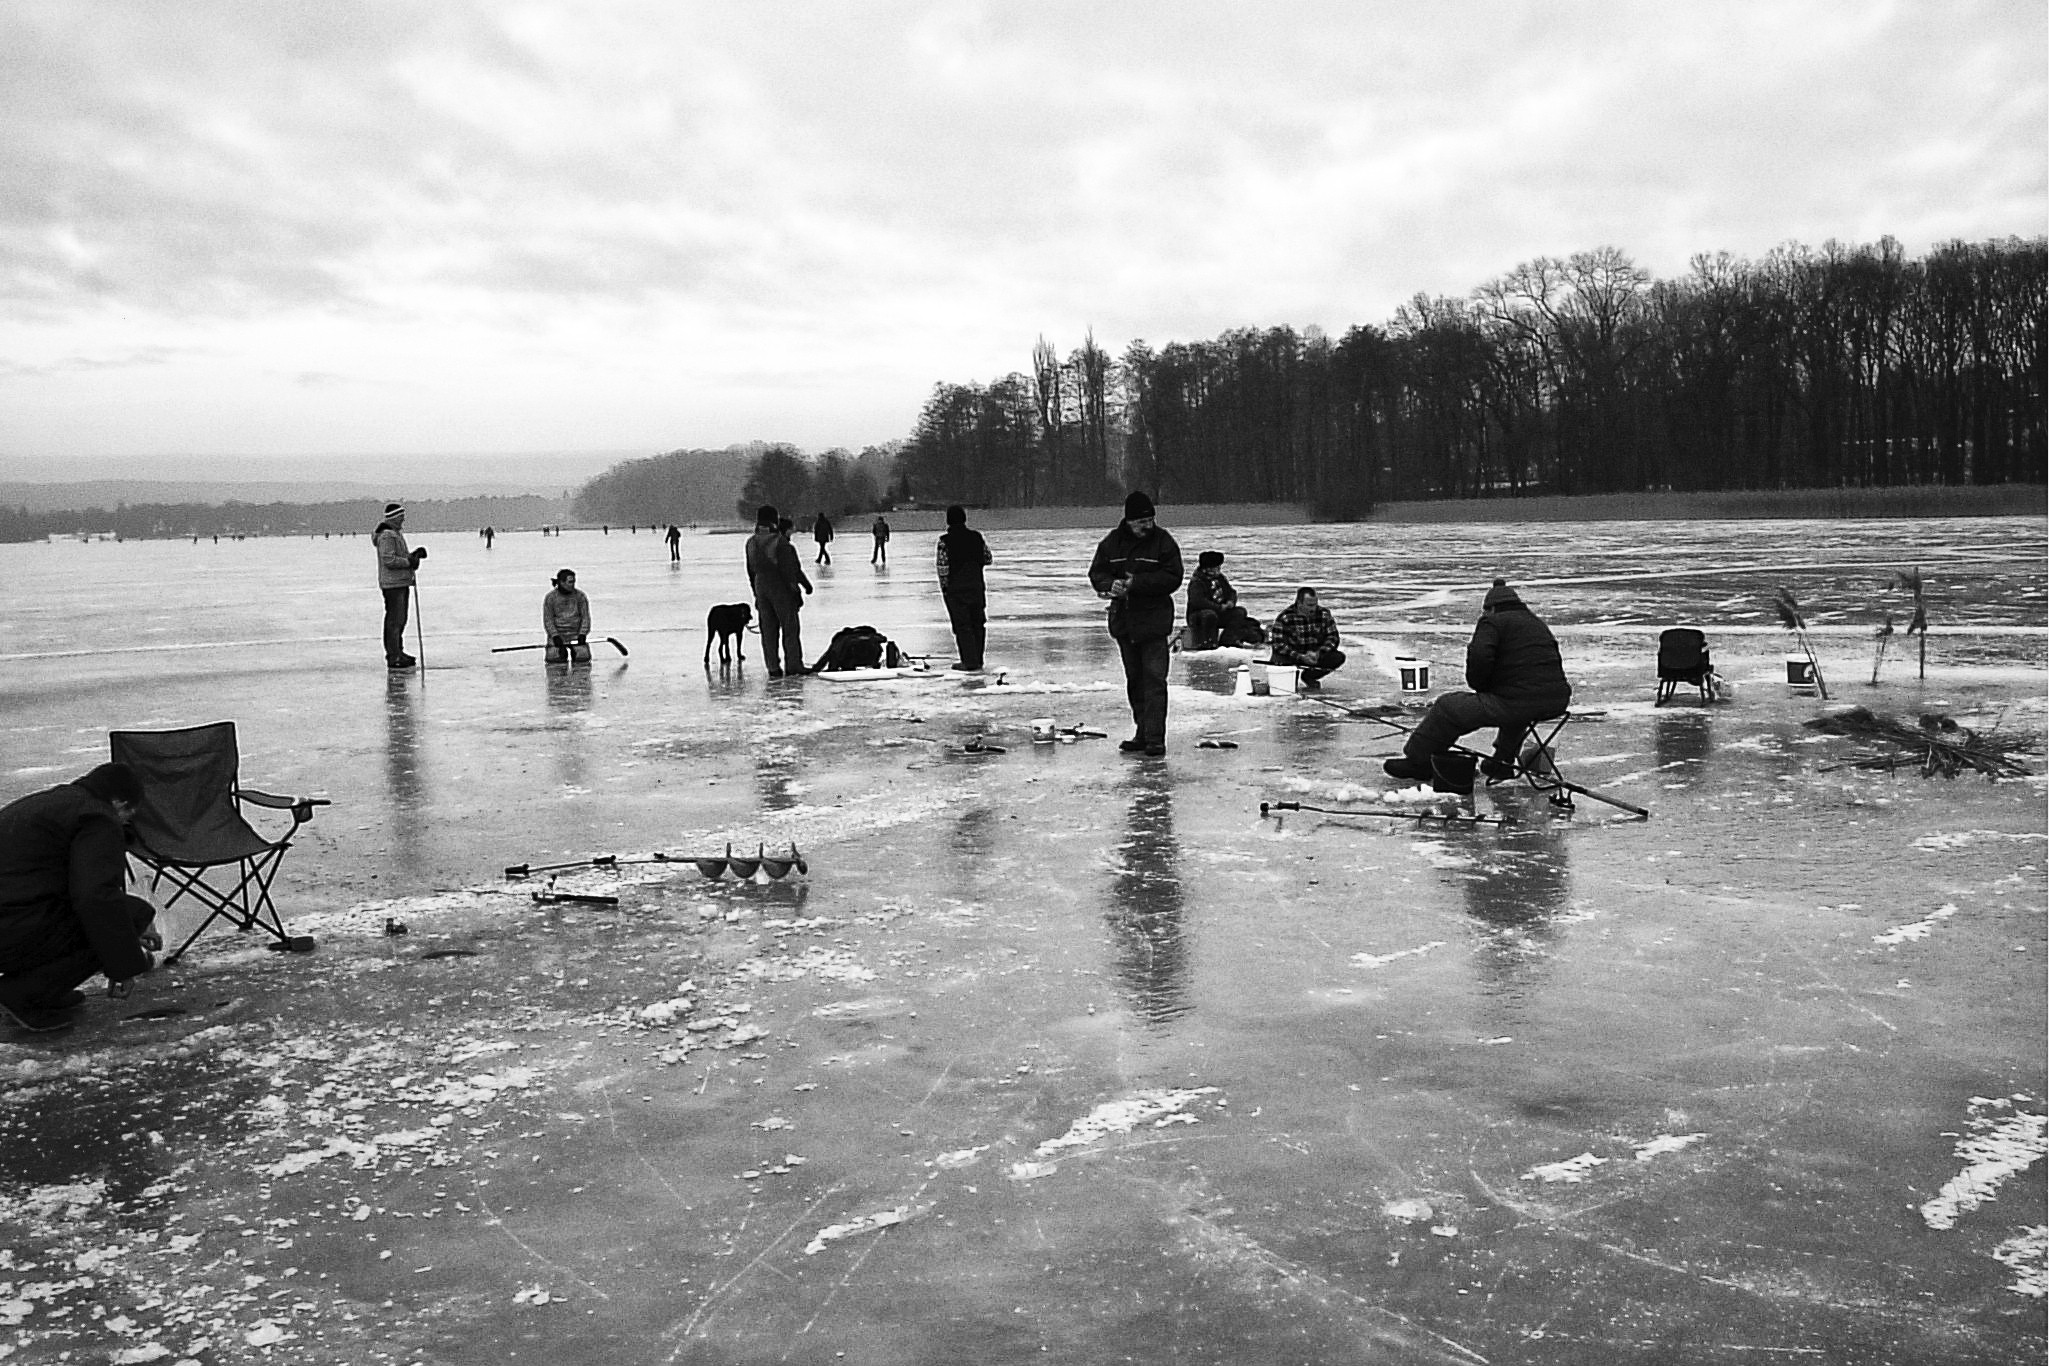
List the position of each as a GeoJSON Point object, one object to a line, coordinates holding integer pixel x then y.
{"type": "Point", "coordinates": [1415, 673]}
{"type": "Point", "coordinates": [1043, 730]}
{"type": "Point", "coordinates": [1275, 678]}
{"type": "Point", "coordinates": [1800, 673]}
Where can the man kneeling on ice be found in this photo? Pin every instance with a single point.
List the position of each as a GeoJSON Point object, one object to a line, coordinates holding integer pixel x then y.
{"type": "Point", "coordinates": [566, 620]}
{"type": "Point", "coordinates": [1517, 679]}
{"type": "Point", "coordinates": [65, 912]}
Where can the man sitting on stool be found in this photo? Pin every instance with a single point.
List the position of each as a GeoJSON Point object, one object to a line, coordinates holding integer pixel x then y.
{"type": "Point", "coordinates": [1305, 635]}
{"type": "Point", "coordinates": [1516, 677]}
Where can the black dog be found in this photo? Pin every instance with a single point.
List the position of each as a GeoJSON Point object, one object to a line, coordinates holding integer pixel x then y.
{"type": "Point", "coordinates": [727, 624]}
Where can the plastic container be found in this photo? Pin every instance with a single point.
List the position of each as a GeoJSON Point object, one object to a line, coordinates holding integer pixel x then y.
{"type": "Point", "coordinates": [1414, 673]}
{"type": "Point", "coordinates": [1800, 673]}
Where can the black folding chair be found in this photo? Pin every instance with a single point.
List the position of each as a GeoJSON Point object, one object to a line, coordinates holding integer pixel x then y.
{"type": "Point", "coordinates": [189, 830]}
{"type": "Point", "coordinates": [1683, 659]}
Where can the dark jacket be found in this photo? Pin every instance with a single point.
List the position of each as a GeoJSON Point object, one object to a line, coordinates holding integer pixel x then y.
{"type": "Point", "coordinates": [775, 571]}
{"type": "Point", "coordinates": [1152, 563]}
{"type": "Point", "coordinates": [962, 553]}
{"type": "Point", "coordinates": [1210, 591]}
{"type": "Point", "coordinates": [1514, 657]}
{"type": "Point", "coordinates": [63, 854]}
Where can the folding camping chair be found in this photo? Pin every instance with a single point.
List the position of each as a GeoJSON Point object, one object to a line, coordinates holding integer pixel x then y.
{"type": "Point", "coordinates": [1683, 659]}
{"type": "Point", "coordinates": [189, 828]}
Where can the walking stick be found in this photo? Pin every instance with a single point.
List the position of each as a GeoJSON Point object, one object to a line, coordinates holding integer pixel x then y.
{"type": "Point", "coordinates": [419, 628]}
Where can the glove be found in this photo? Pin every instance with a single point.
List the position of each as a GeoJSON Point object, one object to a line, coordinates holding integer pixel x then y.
{"type": "Point", "coordinates": [419, 554]}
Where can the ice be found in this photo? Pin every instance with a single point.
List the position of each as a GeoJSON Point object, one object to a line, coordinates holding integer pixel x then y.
{"type": "Point", "coordinates": [521, 1102]}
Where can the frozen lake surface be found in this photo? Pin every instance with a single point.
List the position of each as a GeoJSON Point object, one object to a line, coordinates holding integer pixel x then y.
{"type": "Point", "coordinates": [1054, 1054]}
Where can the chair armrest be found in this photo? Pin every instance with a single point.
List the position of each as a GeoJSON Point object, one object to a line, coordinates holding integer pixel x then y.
{"type": "Point", "coordinates": [300, 807]}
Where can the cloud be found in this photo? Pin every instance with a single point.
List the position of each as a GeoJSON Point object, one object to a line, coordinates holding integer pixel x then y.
{"type": "Point", "coordinates": [640, 204]}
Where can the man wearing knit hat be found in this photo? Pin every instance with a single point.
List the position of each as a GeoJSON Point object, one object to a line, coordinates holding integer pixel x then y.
{"type": "Point", "coordinates": [65, 912]}
{"type": "Point", "coordinates": [1516, 677]}
{"type": "Point", "coordinates": [1137, 568]}
{"type": "Point", "coordinates": [397, 567]}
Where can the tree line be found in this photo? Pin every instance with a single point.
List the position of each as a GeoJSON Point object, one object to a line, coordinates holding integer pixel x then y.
{"type": "Point", "coordinates": [712, 486]}
{"type": "Point", "coordinates": [147, 521]}
{"type": "Point", "coordinates": [1847, 366]}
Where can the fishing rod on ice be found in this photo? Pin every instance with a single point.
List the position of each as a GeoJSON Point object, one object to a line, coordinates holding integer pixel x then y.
{"type": "Point", "coordinates": [508, 649]}
{"type": "Point", "coordinates": [743, 867]}
{"type": "Point", "coordinates": [1545, 779]}
{"type": "Point", "coordinates": [1427, 817]}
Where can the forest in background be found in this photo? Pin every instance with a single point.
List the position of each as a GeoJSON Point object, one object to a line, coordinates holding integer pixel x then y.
{"type": "Point", "coordinates": [1843, 367]}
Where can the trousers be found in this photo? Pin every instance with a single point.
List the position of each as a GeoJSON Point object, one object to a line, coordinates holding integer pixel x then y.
{"type": "Point", "coordinates": [397, 606]}
{"type": "Point", "coordinates": [781, 638]}
{"type": "Point", "coordinates": [58, 959]}
{"type": "Point", "coordinates": [1145, 684]}
{"type": "Point", "coordinates": [1459, 713]}
{"type": "Point", "coordinates": [969, 616]}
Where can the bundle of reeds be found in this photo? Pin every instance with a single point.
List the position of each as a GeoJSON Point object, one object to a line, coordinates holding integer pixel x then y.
{"type": "Point", "coordinates": [1789, 617]}
{"type": "Point", "coordinates": [1935, 744]}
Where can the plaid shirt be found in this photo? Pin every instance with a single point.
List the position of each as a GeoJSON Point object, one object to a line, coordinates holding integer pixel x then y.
{"type": "Point", "coordinates": [1302, 635]}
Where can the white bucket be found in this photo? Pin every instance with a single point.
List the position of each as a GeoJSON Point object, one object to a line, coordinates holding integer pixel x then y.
{"type": "Point", "coordinates": [1242, 685]}
{"type": "Point", "coordinates": [1044, 730]}
{"type": "Point", "coordinates": [1414, 672]}
{"type": "Point", "coordinates": [1275, 678]}
{"type": "Point", "coordinates": [1800, 673]}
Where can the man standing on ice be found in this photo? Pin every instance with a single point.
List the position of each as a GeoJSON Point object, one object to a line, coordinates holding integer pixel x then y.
{"type": "Point", "coordinates": [779, 585]}
{"type": "Point", "coordinates": [961, 557]}
{"type": "Point", "coordinates": [396, 569]}
{"type": "Point", "coordinates": [1137, 568]}
{"type": "Point", "coordinates": [65, 911]}
{"type": "Point", "coordinates": [1517, 679]}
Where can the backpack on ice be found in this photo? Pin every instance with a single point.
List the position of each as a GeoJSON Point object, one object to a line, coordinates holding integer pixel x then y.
{"type": "Point", "coordinates": [858, 647]}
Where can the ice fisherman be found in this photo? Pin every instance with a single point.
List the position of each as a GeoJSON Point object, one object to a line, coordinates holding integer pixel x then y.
{"type": "Point", "coordinates": [65, 909]}
{"type": "Point", "coordinates": [1517, 679]}
{"type": "Point", "coordinates": [1214, 616]}
{"type": "Point", "coordinates": [880, 531]}
{"type": "Point", "coordinates": [1137, 567]}
{"type": "Point", "coordinates": [1306, 635]}
{"type": "Point", "coordinates": [779, 587]}
{"type": "Point", "coordinates": [961, 556]}
{"type": "Point", "coordinates": [675, 540]}
{"type": "Point", "coordinates": [821, 532]}
{"type": "Point", "coordinates": [566, 620]}
{"type": "Point", "coordinates": [397, 569]}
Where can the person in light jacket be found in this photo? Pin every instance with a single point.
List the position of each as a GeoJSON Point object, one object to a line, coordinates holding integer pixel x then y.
{"type": "Point", "coordinates": [397, 567]}
{"type": "Point", "coordinates": [566, 620]}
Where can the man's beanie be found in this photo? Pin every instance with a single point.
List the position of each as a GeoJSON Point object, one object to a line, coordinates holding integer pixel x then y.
{"type": "Point", "coordinates": [1137, 506]}
{"type": "Point", "coordinates": [765, 515]}
{"type": "Point", "coordinates": [1500, 594]}
{"type": "Point", "coordinates": [956, 515]}
{"type": "Point", "coordinates": [112, 783]}
{"type": "Point", "coordinates": [1210, 559]}
{"type": "Point", "coordinates": [394, 509]}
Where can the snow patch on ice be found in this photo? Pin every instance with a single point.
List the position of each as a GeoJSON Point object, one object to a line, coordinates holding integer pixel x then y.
{"type": "Point", "coordinates": [1920, 929]}
{"type": "Point", "coordinates": [1572, 1169]}
{"type": "Point", "coordinates": [2027, 1254]}
{"type": "Point", "coordinates": [1122, 1116]}
{"type": "Point", "coordinates": [1381, 960]}
{"type": "Point", "coordinates": [1949, 842]}
{"type": "Point", "coordinates": [2003, 1141]}
{"type": "Point", "coordinates": [867, 1223]}
{"type": "Point", "coordinates": [1667, 1143]}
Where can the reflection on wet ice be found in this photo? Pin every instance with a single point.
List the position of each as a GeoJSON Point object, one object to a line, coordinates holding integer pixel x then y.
{"type": "Point", "coordinates": [1682, 737]}
{"type": "Point", "coordinates": [1146, 914]}
{"type": "Point", "coordinates": [570, 695]}
{"type": "Point", "coordinates": [1524, 883]}
{"type": "Point", "coordinates": [402, 770]}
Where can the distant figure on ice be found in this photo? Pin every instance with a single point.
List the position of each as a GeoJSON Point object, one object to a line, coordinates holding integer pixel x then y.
{"type": "Point", "coordinates": [1138, 567]}
{"type": "Point", "coordinates": [1304, 634]}
{"type": "Point", "coordinates": [962, 554]}
{"type": "Point", "coordinates": [1214, 616]}
{"type": "Point", "coordinates": [490, 535]}
{"type": "Point", "coordinates": [675, 539]}
{"type": "Point", "coordinates": [1517, 679]}
{"type": "Point", "coordinates": [880, 531]}
{"type": "Point", "coordinates": [779, 588]}
{"type": "Point", "coordinates": [566, 621]}
{"type": "Point", "coordinates": [821, 531]}
{"type": "Point", "coordinates": [397, 567]}
{"type": "Point", "coordinates": [65, 911]}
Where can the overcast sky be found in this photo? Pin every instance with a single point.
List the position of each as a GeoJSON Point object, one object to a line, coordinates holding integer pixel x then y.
{"type": "Point", "coordinates": [263, 227]}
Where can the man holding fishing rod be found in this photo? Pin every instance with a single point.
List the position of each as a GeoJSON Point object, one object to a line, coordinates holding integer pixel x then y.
{"type": "Point", "coordinates": [1517, 678]}
{"type": "Point", "coordinates": [397, 568]}
{"type": "Point", "coordinates": [1136, 568]}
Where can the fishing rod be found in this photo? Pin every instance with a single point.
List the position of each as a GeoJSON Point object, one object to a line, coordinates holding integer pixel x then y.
{"type": "Point", "coordinates": [508, 649]}
{"type": "Point", "coordinates": [1438, 817]}
{"type": "Point", "coordinates": [1552, 781]}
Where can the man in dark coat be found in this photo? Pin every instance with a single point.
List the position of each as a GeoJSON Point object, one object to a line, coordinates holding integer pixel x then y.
{"type": "Point", "coordinates": [1138, 567]}
{"type": "Point", "coordinates": [1516, 677]}
{"type": "Point", "coordinates": [962, 553]}
{"type": "Point", "coordinates": [821, 531]}
{"type": "Point", "coordinates": [65, 912]}
{"type": "Point", "coordinates": [779, 585]}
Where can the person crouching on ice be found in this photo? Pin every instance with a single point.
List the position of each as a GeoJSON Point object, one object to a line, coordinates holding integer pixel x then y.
{"type": "Point", "coordinates": [1305, 635]}
{"type": "Point", "coordinates": [566, 620]}
{"type": "Point", "coordinates": [1517, 679]}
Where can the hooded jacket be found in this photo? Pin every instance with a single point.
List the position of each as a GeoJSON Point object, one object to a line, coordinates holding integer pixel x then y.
{"type": "Point", "coordinates": [395, 568]}
{"type": "Point", "coordinates": [1152, 562]}
{"type": "Point", "coordinates": [1514, 657]}
{"type": "Point", "coordinates": [775, 571]}
{"type": "Point", "coordinates": [64, 856]}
